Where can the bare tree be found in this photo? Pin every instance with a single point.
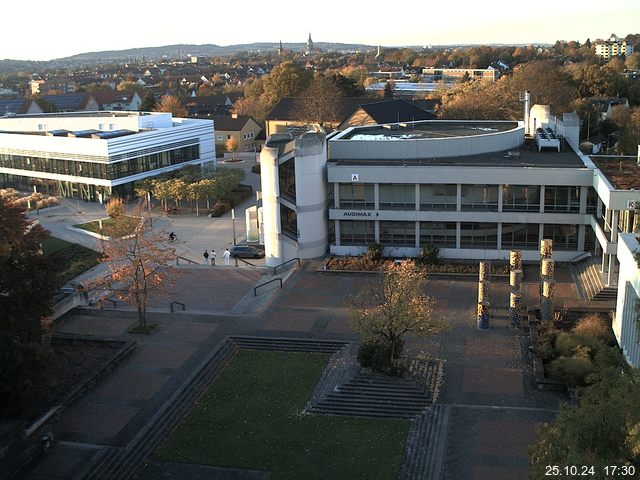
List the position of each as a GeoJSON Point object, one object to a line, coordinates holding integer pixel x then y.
{"type": "Point", "coordinates": [321, 101]}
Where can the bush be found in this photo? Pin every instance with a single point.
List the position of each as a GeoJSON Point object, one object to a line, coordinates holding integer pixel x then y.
{"type": "Point", "coordinates": [566, 343]}
{"type": "Point", "coordinates": [428, 255]}
{"type": "Point", "coordinates": [593, 325]}
{"type": "Point", "coordinates": [256, 169]}
{"type": "Point", "coordinates": [572, 370]}
{"type": "Point", "coordinates": [219, 208]}
{"type": "Point", "coordinates": [115, 207]}
{"type": "Point", "coordinates": [376, 355]}
{"type": "Point", "coordinates": [374, 252]}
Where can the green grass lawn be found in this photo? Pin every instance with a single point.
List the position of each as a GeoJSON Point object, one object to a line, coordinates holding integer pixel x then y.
{"type": "Point", "coordinates": [107, 225]}
{"type": "Point", "coordinates": [251, 418]}
{"type": "Point", "coordinates": [72, 259]}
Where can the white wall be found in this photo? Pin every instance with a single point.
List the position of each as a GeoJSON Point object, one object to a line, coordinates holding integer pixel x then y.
{"type": "Point", "coordinates": [624, 323]}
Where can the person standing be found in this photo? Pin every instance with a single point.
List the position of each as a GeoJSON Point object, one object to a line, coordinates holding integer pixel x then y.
{"type": "Point", "coordinates": [206, 257]}
{"type": "Point", "coordinates": [213, 257]}
{"type": "Point", "coordinates": [226, 255]}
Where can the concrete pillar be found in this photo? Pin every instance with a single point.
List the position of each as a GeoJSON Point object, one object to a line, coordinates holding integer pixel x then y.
{"type": "Point", "coordinates": [548, 267]}
{"type": "Point", "coordinates": [515, 308]}
{"type": "Point", "coordinates": [581, 237]}
{"type": "Point", "coordinates": [483, 316]}
{"type": "Point", "coordinates": [417, 195]}
{"type": "Point", "coordinates": [546, 248]}
{"type": "Point", "coordinates": [546, 305]}
{"type": "Point", "coordinates": [458, 235]}
{"type": "Point", "coordinates": [636, 221]}
{"type": "Point", "coordinates": [376, 197]}
{"type": "Point", "coordinates": [483, 295]}
{"type": "Point", "coordinates": [417, 242]}
{"type": "Point", "coordinates": [541, 201]}
{"type": "Point", "coordinates": [483, 291]}
{"type": "Point", "coordinates": [376, 230]}
{"type": "Point", "coordinates": [485, 270]}
{"type": "Point", "coordinates": [499, 236]}
{"type": "Point", "coordinates": [583, 200]}
{"type": "Point", "coordinates": [515, 280]}
{"type": "Point", "coordinates": [605, 263]}
{"type": "Point", "coordinates": [336, 231]}
{"type": "Point", "coordinates": [599, 208]}
{"type": "Point", "coordinates": [611, 280]}
{"type": "Point", "coordinates": [336, 195]}
{"type": "Point", "coordinates": [515, 260]}
{"type": "Point", "coordinates": [458, 197]}
{"type": "Point", "coordinates": [500, 200]}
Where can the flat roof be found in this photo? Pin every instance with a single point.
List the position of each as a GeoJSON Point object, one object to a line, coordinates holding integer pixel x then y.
{"type": "Point", "coordinates": [622, 172]}
{"type": "Point", "coordinates": [101, 113]}
{"type": "Point", "coordinates": [428, 129]}
{"type": "Point", "coordinates": [526, 156]}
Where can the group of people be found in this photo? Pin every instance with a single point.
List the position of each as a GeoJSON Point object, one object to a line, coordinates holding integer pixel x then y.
{"type": "Point", "coordinates": [226, 255]}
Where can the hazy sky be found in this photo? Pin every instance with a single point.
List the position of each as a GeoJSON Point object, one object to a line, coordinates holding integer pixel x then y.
{"type": "Point", "coordinates": [42, 30]}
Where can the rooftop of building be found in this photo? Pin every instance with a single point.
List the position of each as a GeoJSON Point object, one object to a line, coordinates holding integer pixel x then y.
{"type": "Point", "coordinates": [622, 172]}
{"type": "Point", "coordinates": [525, 156]}
{"type": "Point", "coordinates": [87, 114]}
{"type": "Point", "coordinates": [435, 129]}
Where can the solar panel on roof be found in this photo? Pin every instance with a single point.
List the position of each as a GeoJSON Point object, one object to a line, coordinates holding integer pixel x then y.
{"type": "Point", "coordinates": [83, 133]}
{"type": "Point", "coordinates": [111, 134]}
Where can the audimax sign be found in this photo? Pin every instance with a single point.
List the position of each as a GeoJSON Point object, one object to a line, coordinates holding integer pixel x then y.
{"type": "Point", "coordinates": [359, 213]}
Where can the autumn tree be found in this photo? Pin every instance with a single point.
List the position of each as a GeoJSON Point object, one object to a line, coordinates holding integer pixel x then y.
{"type": "Point", "coordinates": [170, 103]}
{"type": "Point", "coordinates": [148, 102]}
{"type": "Point", "coordinates": [285, 80]}
{"type": "Point", "coordinates": [138, 264]}
{"type": "Point", "coordinates": [231, 145]}
{"type": "Point", "coordinates": [321, 101]}
{"type": "Point", "coordinates": [387, 310]}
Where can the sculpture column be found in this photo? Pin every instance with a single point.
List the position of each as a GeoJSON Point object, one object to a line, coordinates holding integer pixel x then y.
{"type": "Point", "coordinates": [484, 283]}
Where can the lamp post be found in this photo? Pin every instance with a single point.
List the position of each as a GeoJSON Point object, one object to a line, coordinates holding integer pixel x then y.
{"type": "Point", "coordinates": [233, 224]}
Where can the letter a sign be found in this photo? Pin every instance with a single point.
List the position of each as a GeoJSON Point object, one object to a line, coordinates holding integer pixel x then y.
{"type": "Point", "coordinates": [355, 177]}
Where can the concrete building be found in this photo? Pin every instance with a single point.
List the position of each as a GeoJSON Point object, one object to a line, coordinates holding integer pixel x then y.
{"type": "Point", "coordinates": [94, 155]}
{"type": "Point", "coordinates": [613, 47]}
{"type": "Point", "coordinates": [243, 128]}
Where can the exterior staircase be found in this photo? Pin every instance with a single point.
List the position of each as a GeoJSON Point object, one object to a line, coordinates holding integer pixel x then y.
{"type": "Point", "coordinates": [589, 280]}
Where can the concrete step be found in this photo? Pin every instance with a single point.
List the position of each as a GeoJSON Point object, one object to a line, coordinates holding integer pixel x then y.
{"type": "Point", "coordinates": [290, 345]}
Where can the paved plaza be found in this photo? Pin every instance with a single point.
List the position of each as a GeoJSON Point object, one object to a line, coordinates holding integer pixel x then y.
{"type": "Point", "coordinates": [487, 376]}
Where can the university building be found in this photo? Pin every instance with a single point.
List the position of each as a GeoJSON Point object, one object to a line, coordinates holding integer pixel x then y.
{"type": "Point", "coordinates": [474, 189]}
{"type": "Point", "coordinates": [94, 155]}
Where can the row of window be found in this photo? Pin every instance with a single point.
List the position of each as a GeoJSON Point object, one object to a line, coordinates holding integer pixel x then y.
{"type": "Point", "coordinates": [106, 171]}
{"type": "Point", "coordinates": [472, 234]}
{"type": "Point", "coordinates": [515, 198]}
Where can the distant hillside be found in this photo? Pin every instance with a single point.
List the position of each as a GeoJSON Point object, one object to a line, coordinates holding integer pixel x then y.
{"type": "Point", "coordinates": [208, 50]}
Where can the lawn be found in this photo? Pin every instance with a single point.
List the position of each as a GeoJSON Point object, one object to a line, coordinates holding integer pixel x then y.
{"type": "Point", "coordinates": [70, 258]}
{"type": "Point", "coordinates": [251, 417]}
{"type": "Point", "coordinates": [108, 225]}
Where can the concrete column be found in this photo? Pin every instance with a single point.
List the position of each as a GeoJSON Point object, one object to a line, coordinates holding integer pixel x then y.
{"type": "Point", "coordinates": [583, 200]}
{"type": "Point", "coordinates": [599, 208]}
{"type": "Point", "coordinates": [417, 195]}
{"type": "Point", "coordinates": [611, 280]}
{"type": "Point", "coordinates": [336, 231]}
{"type": "Point", "coordinates": [417, 243]}
{"type": "Point", "coordinates": [605, 263]}
{"type": "Point", "coordinates": [540, 232]}
{"type": "Point", "coordinates": [515, 259]}
{"type": "Point", "coordinates": [376, 230]}
{"type": "Point", "coordinates": [548, 267]}
{"type": "Point", "coordinates": [515, 280]}
{"type": "Point", "coordinates": [483, 316]}
{"type": "Point", "coordinates": [483, 295]}
{"type": "Point", "coordinates": [500, 204]}
{"type": "Point", "coordinates": [336, 195]}
{"type": "Point", "coordinates": [581, 237]}
{"type": "Point", "coordinates": [458, 198]}
{"type": "Point", "coordinates": [541, 201]}
{"type": "Point", "coordinates": [499, 235]}
{"type": "Point", "coordinates": [614, 226]}
{"type": "Point", "coordinates": [546, 306]}
{"type": "Point", "coordinates": [483, 291]}
{"type": "Point", "coordinates": [485, 270]}
{"type": "Point", "coordinates": [636, 221]}
{"type": "Point", "coordinates": [515, 308]}
{"type": "Point", "coordinates": [376, 196]}
{"type": "Point", "coordinates": [458, 235]}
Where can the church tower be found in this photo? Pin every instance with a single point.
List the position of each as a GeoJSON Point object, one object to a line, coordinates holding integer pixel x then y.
{"type": "Point", "coordinates": [280, 48]}
{"type": "Point", "coordinates": [310, 46]}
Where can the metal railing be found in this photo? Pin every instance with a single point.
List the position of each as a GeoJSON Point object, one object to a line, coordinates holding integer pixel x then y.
{"type": "Point", "coordinates": [176, 303]}
{"type": "Point", "coordinates": [255, 289]}
{"type": "Point", "coordinates": [178, 258]}
{"type": "Point", "coordinates": [275, 269]}
{"type": "Point", "coordinates": [243, 261]}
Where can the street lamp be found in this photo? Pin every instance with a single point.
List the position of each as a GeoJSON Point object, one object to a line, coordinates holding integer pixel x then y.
{"type": "Point", "coordinates": [233, 224]}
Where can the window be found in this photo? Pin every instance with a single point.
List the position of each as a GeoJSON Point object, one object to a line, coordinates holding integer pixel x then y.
{"type": "Point", "coordinates": [398, 196]}
{"type": "Point", "coordinates": [438, 234]}
{"type": "Point", "coordinates": [228, 137]}
{"type": "Point", "coordinates": [287, 180]}
{"type": "Point", "coordinates": [438, 197]}
{"type": "Point", "coordinates": [562, 199]}
{"type": "Point", "coordinates": [592, 201]}
{"type": "Point", "coordinates": [520, 235]}
{"type": "Point", "coordinates": [479, 235]}
{"type": "Point", "coordinates": [480, 197]}
{"type": "Point", "coordinates": [399, 234]}
{"type": "Point", "coordinates": [354, 232]}
{"type": "Point", "coordinates": [564, 237]}
{"type": "Point", "coordinates": [288, 222]}
{"type": "Point", "coordinates": [520, 198]}
{"type": "Point", "coordinates": [220, 138]}
{"type": "Point", "coordinates": [353, 195]}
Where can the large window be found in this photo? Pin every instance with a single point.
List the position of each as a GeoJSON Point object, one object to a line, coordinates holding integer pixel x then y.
{"type": "Point", "coordinates": [399, 234]}
{"type": "Point", "coordinates": [520, 198]}
{"type": "Point", "coordinates": [438, 197]}
{"type": "Point", "coordinates": [520, 235]}
{"type": "Point", "coordinates": [438, 234]}
{"type": "Point", "coordinates": [287, 180]}
{"type": "Point", "coordinates": [288, 222]}
{"type": "Point", "coordinates": [398, 196]}
{"type": "Point", "coordinates": [479, 235]}
{"type": "Point", "coordinates": [592, 201]}
{"type": "Point", "coordinates": [564, 237]}
{"type": "Point", "coordinates": [480, 197]}
{"type": "Point", "coordinates": [353, 232]}
{"type": "Point", "coordinates": [101, 170]}
{"type": "Point", "coordinates": [356, 196]}
{"type": "Point", "coordinates": [562, 199]}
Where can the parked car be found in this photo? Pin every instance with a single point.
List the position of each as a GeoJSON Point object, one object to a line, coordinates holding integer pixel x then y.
{"type": "Point", "coordinates": [246, 251]}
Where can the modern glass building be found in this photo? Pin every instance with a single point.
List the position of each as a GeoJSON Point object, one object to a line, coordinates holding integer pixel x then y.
{"type": "Point", "coordinates": [94, 155]}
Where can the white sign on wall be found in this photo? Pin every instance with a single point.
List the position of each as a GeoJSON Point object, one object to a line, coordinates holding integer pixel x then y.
{"type": "Point", "coordinates": [355, 177]}
{"type": "Point", "coordinates": [632, 204]}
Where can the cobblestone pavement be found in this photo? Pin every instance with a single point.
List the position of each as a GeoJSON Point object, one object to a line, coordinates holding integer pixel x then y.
{"type": "Point", "coordinates": [487, 376]}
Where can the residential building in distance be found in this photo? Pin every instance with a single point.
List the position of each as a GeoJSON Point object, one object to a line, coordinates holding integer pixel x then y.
{"type": "Point", "coordinates": [95, 155]}
{"type": "Point", "coordinates": [243, 128]}
{"type": "Point", "coordinates": [605, 105]}
{"type": "Point", "coordinates": [450, 75]}
{"type": "Point", "coordinates": [118, 101]}
{"type": "Point", "coordinates": [614, 47]}
{"type": "Point", "coordinates": [72, 102]}
{"type": "Point", "coordinates": [211, 105]}
{"type": "Point", "coordinates": [14, 106]}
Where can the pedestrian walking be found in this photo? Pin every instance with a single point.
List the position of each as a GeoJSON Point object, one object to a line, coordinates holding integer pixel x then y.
{"type": "Point", "coordinates": [206, 257]}
{"type": "Point", "coordinates": [226, 255]}
{"type": "Point", "coordinates": [213, 257]}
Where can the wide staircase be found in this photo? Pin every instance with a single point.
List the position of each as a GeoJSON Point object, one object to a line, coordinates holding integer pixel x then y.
{"type": "Point", "coordinates": [587, 273]}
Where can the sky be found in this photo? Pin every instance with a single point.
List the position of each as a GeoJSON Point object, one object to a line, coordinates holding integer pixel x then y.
{"type": "Point", "coordinates": [43, 31]}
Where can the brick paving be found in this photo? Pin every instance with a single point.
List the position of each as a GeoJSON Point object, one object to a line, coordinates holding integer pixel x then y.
{"type": "Point", "coordinates": [487, 375]}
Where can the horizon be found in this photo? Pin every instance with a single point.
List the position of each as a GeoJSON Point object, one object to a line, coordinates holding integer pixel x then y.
{"type": "Point", "coordinates": [54, 34]}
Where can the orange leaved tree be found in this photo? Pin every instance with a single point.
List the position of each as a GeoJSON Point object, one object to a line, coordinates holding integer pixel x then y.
{"type": "Point", "coordinates": [139, 263]}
